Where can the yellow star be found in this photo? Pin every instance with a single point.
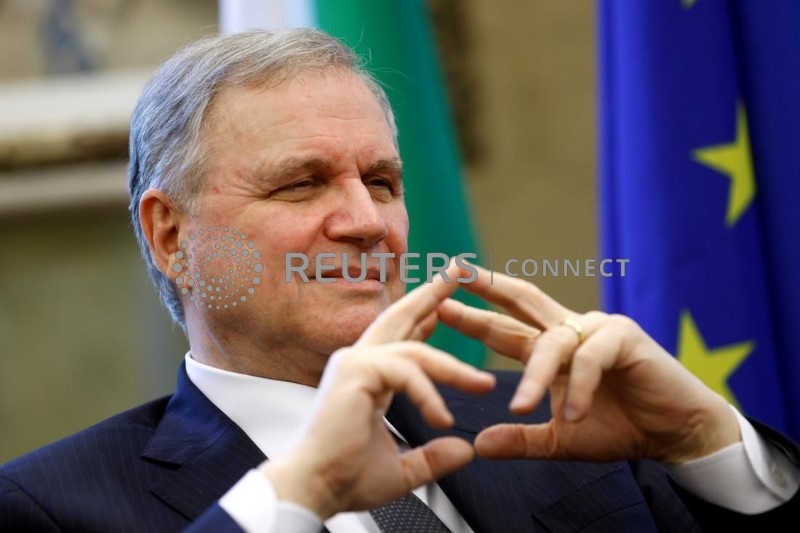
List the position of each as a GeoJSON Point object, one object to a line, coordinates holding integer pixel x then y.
{"type": "Point", "coordinates": [734, 160]}
{"type": "Point", "coordinates": [688, 4]}
{"type": "Point", "coordinates": [713, 367]}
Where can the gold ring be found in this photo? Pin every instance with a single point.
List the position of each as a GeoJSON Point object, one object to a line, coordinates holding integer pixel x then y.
{"type": "Point", "coordinates": [574, 326]}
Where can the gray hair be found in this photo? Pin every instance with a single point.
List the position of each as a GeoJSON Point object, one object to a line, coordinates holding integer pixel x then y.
{"type": "Point", "coordinates": [168, 119]}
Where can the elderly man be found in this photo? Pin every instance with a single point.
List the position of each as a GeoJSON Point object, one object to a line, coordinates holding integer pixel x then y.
{"type": "Point", "coordinates": [245, 149]}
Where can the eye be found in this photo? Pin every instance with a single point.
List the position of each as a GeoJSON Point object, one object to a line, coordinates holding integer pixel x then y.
{"type": "Point", "coordinates": [379, 182]}
{"type": "Point", "coordinates": [298, 190]}
{"type": "Point", "coordinates": [300, 185]}
{"type": "Point", "coordinates": [382, 189]}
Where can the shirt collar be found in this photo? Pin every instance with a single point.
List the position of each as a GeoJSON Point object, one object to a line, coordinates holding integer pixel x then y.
{"type": "Point", "coordinates": [269, 411]}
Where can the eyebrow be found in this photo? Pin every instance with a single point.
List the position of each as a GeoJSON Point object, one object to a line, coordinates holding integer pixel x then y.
{"type": "Point", "coordinates": [393, 165]}
{"type": "Point", "coordinates": [293, 165]}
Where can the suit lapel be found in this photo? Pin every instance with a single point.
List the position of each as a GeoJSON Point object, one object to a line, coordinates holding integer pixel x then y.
{"type": "Point", "coordinates": [206, 451]}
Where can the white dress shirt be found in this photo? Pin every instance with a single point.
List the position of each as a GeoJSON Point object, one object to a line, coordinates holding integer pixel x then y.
{"type": "Point", "coordinates": [270, 412]}
{"type": "Point", "coordinates": [749, 477]}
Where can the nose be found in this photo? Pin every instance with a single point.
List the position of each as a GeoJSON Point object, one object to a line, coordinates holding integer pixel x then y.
{"type": "Point", "coordinates": [357, 217]}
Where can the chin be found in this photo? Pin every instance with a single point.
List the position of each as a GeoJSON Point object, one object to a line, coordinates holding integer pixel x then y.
{"type": "Point", "coordinates": [347, 328]}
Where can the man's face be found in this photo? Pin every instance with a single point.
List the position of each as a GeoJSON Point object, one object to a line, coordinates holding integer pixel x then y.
{"type": "Point", "coordinates": [307, 166]}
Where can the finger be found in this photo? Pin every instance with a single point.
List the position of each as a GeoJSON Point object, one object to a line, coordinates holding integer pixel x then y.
{"type": "Point", "coordinates": [423, 330]}
{"type": "Point", "coordinates": [517, 441]}
{"type": "Point", "coordinates": [412, 366]}
{"type": "Point", "coordinates": [443, 368]}
{"type": "Point", "coordinates": [552, 353]}
{"type": "Point", "coordinates": [402, 375]}
{"type": "Point", "coordinates": [525, 301]}
{"type": "Point", "coordinates": [591, 360]}
{"type": "Point", "coordinates": [400, 319]}
{"type": "Point", "coordinates": [501, 333]}
{"type": "Point", "coordinates": [434, 460]}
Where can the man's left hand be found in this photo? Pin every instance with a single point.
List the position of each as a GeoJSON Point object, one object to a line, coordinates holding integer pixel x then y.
{"type": "Point", "coordinates": [614, 392]}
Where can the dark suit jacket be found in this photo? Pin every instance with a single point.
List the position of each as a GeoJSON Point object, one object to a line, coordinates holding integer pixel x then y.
{"type": "Point", "coordinates": [163, 465]}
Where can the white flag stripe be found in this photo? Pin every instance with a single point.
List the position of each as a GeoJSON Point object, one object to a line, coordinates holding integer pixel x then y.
{"type": "Point", "coordinates": [242, 15]}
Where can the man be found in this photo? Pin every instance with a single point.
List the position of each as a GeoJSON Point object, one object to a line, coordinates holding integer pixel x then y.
{"type": "Point", "coordinates": [247, 148]}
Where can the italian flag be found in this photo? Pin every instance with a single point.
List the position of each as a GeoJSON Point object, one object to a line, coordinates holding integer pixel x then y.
{"type": "Point", "coordinates": [396, 40]}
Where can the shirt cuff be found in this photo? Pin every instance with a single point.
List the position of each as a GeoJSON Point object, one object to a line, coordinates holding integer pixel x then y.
{"type": "Point", "coordinates": [748, 477]}
{"type": "Point", "coordinates": [254, 506]}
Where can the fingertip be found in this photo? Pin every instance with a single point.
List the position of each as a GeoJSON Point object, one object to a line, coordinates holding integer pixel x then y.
{"type": "Point", "coordinates": [521, 407]}
{"type": "Point", "coordinates": [572, 410]}
{"type": "Point", "coordinates": [462, 447]}
{"type": "Point", "coordinates": [448, 454]}
{"type": "Point", "coordinates": [525, 400]}
{"type": "Point", "coordinates": [447, 419]}
{"type": "Point", "coordinates": [449, 306]}
{"type": "Point", "coordinates": [453, 270]}
{"type": "Point", "coordinates": [462, 452]}
{"type": "Point", "coordinates": [470, 379]}
{"type": "Point", "coordinates": [518, 402]}
{"type": "Point", "coordinates": [435, 459]}
{"type": "Point", "coordinates": [489, 444]}
{"type": "Point", "coordinates": [570, 414]}
{"type": "Point", "coordinates": [439, 417]}
{"type": "Point", "coordinates": [487, 379]}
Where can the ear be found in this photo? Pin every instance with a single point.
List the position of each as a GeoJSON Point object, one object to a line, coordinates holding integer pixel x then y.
{"type": "Point", "coordinates": [161, 220]}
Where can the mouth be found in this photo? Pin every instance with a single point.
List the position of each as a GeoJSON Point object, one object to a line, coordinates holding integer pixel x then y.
{"type": "Point", "coordinates": [366, 282]}
{"type": "Point", "coordinates": [354, 273]}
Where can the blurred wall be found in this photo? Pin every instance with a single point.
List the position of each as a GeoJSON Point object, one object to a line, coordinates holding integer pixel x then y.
{"type": "Point", "coordinates": [82, 335]}
{"type": "Point", "coordinates": [533, 182]}
{"type": "Point", "coordinates": [47, 37]}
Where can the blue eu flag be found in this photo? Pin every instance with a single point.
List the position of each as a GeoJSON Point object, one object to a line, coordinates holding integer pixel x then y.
{"type": "Point", "coordinates": [700, 189]}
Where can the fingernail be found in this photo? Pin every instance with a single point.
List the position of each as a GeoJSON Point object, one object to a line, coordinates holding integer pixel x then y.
{"type": "Point", "coordinates": [569, 413]}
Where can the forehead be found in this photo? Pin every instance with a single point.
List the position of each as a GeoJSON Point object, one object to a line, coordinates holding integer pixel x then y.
{"type": "Point", "coordinates": [309, 103]}
{"type": "Point", "coordinates": [311, 115]}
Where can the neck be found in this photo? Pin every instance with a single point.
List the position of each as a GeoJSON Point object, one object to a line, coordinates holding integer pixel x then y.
{"type": "Point", "coordinates": [245, 355]}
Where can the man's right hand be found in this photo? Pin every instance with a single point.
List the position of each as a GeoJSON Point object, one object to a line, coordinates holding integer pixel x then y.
{"type": "Point", "coordinates": [346, 459]}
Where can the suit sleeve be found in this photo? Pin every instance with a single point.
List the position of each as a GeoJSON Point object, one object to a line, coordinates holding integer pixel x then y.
{"type": "Point", "coordinates": [252, 506]}
{"type": "Point", "coordinates": [666, 498]}
{"type": "Point", "coordinates": [215, 519]}
{"type": "Point", "coordinates": [19, 512]}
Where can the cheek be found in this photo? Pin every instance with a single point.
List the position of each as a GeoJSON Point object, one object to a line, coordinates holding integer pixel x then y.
{"type": "Point", "coordinates": [397, 242]}
{"type": "Point", "coordinates": [397, 223]}
{"type": "Point", "coordinates": [276, 243]}
{"type": "Point", "coordinates": [222, 267]}
{"type": "Point", "coordinates": [280, 231]}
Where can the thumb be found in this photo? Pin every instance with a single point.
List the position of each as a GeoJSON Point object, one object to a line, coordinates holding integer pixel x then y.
{"type": "Point", "coordinates": [435, 459]}
{"type": "Point", "coordinates": [516, 441]}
